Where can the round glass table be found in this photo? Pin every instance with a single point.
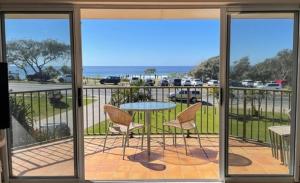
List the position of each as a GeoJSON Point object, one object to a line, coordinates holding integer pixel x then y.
{"type": "Point", "coordinates": [148, 107]}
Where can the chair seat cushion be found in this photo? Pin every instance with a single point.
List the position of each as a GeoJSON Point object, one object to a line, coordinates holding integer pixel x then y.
{"type": "Point", "coordinates": [117, 128]}
{"type": "Point", "coordinates": [186, 125]}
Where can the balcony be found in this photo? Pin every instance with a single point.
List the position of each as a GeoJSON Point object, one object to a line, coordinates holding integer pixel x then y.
{"type": "Point", "coordinates": [46, 141]}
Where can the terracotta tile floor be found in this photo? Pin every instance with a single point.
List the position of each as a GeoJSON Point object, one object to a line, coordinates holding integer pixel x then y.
{"type": "Point", "coordinates": [172, 163]}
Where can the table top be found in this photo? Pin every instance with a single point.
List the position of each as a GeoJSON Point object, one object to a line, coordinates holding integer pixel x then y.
{"type": "Point", "coordinates": [283, 130]}
{"type": "Point", "coordinates": [147, 106]}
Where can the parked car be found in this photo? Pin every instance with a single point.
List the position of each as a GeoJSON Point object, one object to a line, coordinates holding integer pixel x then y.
{"type": "Point", "coordinates": [111, 79]}
{"type": "Point", "coordinates": [176, 82]}
{"type": "Point", "coordinates": [197, 82]}
{"type": "Point", "coordinates": [186, 82]}
{"type": "Point", "coordinates": [149, 82]}
{"type": "Point", "coordinates": [184, 95]}
{"type": "Point", "coordinates": [213, 82]}
{"type": "Point", "coordinates": [270, 86]}
{"type": "Point", "coordinates": [235, 84]}
{"type": "Point", "coordinates": [258, 84]}
{"type": "Point", "coordinates": [39, 76]}
{"type": "Point", "coordinates": [248, 83]}
{"type": "Point", "coordinates": [164, 82]}
{"type": "Point", "coordinates": [13, 76]}
{"type": "Point", "coordinates": [134, 80]}
{"type": "Point", "coordinates": [65, 78]}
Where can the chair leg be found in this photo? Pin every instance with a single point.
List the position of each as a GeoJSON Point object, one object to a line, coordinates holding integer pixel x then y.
{"type": "Point", "coordinates": [124, 147]}
{"type": "Point", "coordinates": [123, 138]}
{"type": "Point", "coordinates": [143, 138]}
{"type": "Point", "coordinates": [164, 140]}
{"type": "Point", "coordinates": [184, 141]}
{"type": "Point", "coordinates": [128, 141]}
{"type": "Point", "coordinates": [198, 136]}
{"type": "Point", "coordinates": [105, 140]}
{"type": "Point", "coordinates": [200, 143]}
{"type": "Point", "coordinates": [175, 136]}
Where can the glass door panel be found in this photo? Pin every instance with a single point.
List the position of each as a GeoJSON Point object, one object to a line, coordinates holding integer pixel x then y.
{"type": "Point", "coordinates": [262, 82]}
{"type": "Point", "coordinates": [38, 52]}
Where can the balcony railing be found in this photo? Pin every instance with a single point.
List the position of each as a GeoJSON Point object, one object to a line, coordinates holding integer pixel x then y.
{"type": "Point", "coordinates": [46, 115]}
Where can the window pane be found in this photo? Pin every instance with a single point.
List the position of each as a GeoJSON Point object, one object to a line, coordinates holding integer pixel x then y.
{"type": "Point", "coordinates": [262, 82]}
{"type": "Point", "coordinates": [38, 52]}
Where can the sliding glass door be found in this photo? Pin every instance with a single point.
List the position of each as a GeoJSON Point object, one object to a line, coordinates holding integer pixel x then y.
{"type": "Point", "coordinates": [38, 50]}
{"type": "Point", "coordinates": [260, 119]}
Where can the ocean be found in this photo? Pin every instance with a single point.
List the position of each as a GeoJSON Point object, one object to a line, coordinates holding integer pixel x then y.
{"type": "Point", "coordinates": [103, 71]}
{"type": "Point", "coordinates": [95, 71]}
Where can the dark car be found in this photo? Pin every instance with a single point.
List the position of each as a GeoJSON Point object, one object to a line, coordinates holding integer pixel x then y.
{"type": "Point", "coordinates": [164, 82]}
{"type": "Point", "coordinates": [176, 82]}
{"type": "Point", "coordinates": [39, 76]}
{"type": "Point", "coordinates": [111, 79]}
{"type": "Point", "coordinates": [149, 82]}
{"type": "Point", "coordinates": [235, 84]}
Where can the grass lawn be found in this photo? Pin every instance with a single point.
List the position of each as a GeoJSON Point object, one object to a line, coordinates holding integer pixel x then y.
{"type": "Point", "coordinates": [41, 106]}
{"type": "Point", "coordinates": [208, 123]}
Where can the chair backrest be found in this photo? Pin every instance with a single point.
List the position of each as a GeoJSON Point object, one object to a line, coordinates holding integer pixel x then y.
{"type": "Point", "coordinates": [189, 113]}
{"type": "Point", "coordinates": [117, 115]}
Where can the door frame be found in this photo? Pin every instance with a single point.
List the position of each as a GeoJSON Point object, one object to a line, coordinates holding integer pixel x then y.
{"type": "Point", "coordinates": [295, 146]}
{"type": "Point", "coordinates": [67, 10]}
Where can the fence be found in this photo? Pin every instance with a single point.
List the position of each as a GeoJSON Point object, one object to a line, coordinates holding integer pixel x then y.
{"type": "Point", "coordinates": [47, 114]}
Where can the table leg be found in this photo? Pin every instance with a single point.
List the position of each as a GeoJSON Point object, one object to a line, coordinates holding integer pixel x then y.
{"type": "Point", "coordinates": [148, 123]}
{"type": "Point", "coordinates": [281, 150]}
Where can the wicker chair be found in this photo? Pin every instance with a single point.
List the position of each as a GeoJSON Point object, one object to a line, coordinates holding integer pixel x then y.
{"type": "Point", "coordinates": [121, 123]}
{"type": "Point", "coordinates": [186, 120]}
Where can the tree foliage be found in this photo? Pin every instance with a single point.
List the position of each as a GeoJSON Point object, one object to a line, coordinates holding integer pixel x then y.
{"type": "Point", "coordinates": [208, 69]}
{"type": "Point", "coordinates": [240, 69]}
{"type": "Point", "coordinates": [32, 55]}
{"type": "Point", "coordinates": [65, 69]}
{"type": "Point", "coordinates": [149, 71]}
{"type": "Point", "coordinates": [279, 67]}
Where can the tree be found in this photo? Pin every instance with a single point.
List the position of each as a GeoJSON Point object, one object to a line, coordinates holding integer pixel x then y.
{"type": "Point", "coordinates": [240, 69]}
{"type": "Point", "coordinates": [284, 65]}
{"type": "Point", "coordinates": [31, 55]}
{"type": "Point", "coordinates": [51, 72]}
{"type": "Point", "coordinates": [208, 69]}
{"type": "Point", "coordinates": [65, 69]}
{"type": "Point", "coordinates": [278, 67]}
{"type": "Point", "coordinates": [150, 71]}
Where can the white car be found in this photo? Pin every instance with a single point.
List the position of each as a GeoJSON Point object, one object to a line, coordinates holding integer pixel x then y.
{"type": "Point", "coordinates": [258, 84]}
{"type": "Point", "coordinates": [186, 82]}
{"type": "Point", "coordinates": [248, 83]}
{"type": "Point", "coordinates": [271, 86]}
{"type": "Point", "coordinates": [65, 78]}
{"type": "Point", "coordinates": [213, 82]}
{"type": "Point", "coordinates": [197, 82]}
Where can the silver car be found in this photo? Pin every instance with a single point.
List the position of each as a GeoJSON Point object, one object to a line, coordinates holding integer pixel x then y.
{"type": "Point", "coordinates": [181, 95]}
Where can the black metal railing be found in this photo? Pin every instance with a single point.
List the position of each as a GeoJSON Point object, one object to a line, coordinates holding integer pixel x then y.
{"type": "Point", "coordinates": [47, 115]}
{"type": "Point", "coordinates": [207, 118]}
{"type": "Point", "coordinates": [252, 111]}
{"type": "Point", "coordinates": [40, 116]}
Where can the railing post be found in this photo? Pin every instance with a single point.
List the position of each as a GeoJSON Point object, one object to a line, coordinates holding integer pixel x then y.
{"type": "Point", "coordinates": [245, 115]}
{"type": "Point", "coordinates": [188, 104]}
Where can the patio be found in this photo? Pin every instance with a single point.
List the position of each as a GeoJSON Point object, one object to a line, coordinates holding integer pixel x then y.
{"type": "Point", "coordinates": [172, 163]}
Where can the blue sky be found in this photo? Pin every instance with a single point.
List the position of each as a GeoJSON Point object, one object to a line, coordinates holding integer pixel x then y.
{"type": "Point", "coordinates": [160, 42]}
